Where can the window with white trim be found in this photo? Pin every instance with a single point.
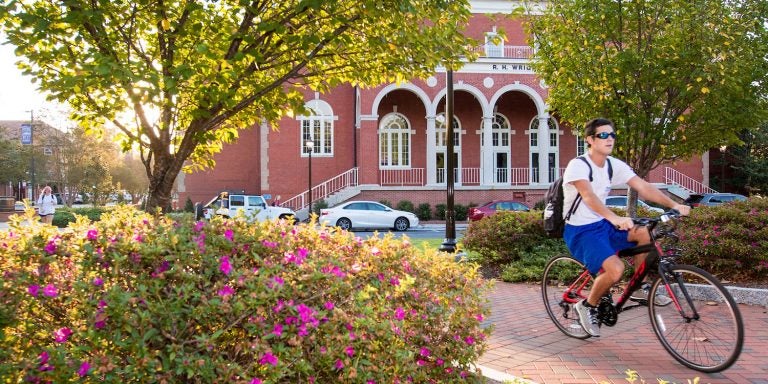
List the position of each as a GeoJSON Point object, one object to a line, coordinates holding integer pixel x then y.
{"type": "Point", "coordinates": [494, 44]}
{"type": "Point", "coordinates": [318, 128]}
{"type": "Point", "coordinates": [581, 145]}
{"type": "Point", "coordinates": [441, 133]}
{"type": "Point", "coordinates": [394, 141]}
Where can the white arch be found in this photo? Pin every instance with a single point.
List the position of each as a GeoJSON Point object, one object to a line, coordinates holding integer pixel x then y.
{"type": "Point", "coordinates": [541, 106]}
{"type": "Point", "coordinates": [393, 87]}
{"type": "Point", "coordinates": [320, 107]}
{"type": "Point", "coordinates": [432, 111]}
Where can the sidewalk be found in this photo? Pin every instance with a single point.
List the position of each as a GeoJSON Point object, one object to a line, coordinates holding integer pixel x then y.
{"type": "Point", "coordinates": [526, 344]}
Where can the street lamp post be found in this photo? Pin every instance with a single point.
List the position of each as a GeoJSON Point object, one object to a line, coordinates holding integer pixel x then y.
{"type": "Point", "coordinates": [449, 244]}
{"type": "Point", "coordinates": [310, 148]}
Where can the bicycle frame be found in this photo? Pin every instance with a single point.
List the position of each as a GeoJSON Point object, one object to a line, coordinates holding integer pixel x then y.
{"type": "Point", "coordinates": [573, 294]}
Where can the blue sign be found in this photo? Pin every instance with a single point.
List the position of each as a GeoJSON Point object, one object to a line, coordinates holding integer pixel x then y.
{"type": "Point", "coordinates": [26, 134]}
{"type": "Point", "coordinates": [267, 196]}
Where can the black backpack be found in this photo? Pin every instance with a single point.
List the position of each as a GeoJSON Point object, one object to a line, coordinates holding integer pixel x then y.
{"type": "Point", "coordinates": [554, 220]}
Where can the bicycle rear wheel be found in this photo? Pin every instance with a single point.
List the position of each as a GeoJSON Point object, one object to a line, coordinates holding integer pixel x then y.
{"type": "Point", "coordinates": [564, 284]}
{"type": "Point", "coordinates": [709, 333]}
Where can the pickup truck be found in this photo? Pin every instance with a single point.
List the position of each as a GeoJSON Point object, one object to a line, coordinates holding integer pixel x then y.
{"type": "Point", "coordinates": [253, 207]}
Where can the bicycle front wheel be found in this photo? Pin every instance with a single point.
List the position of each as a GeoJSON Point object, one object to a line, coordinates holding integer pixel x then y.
{"type": "Point", "coordinates": [565, 283]}
{"type": "Point", "coordinates": [702, 326]}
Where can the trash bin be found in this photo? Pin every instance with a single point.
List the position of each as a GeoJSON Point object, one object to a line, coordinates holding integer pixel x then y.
{"type": "Point", "coordinates": [7, 204]}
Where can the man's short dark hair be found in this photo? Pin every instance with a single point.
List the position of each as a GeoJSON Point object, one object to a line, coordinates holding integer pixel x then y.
{"type": "Point", "coordinates": [591, 127]}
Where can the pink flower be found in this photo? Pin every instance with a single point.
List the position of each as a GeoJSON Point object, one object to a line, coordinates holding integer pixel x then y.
{"type": "Point", "coordinates": [199, 226]}
{"type": "Point", "coordinates": [339, 364]}
{"type": "Point", "coordinates": [269, 244]}
{"type": "Point", "coordinates": [424, 351]}
{"type": "Point", "coordinates": [50, 247]}
{"type": "Point", "coordinates": [349, 351]}
{"type": "Point", "coordinates": [92, 234]}
{"type": "Point", "coordinates": [329, 306]}
{"type": "Point", "coordinates": [375, 251]}
{"type": "Point", "coordinates": [421, 362]}
{"type": "Point", "coordinates": [84, 368]}
{"type": "Point", "coordinates": [97, 281]}
{"type": "Point", "coordinates": [277, 330]}
{"type": "Point", "coordinates": [62, 334]}
{"type": "Point", "coordinates": [44, 357]}
{"type": "Point", "coordinates": [268, 358]}
{"type": "Point", "coordinates": [439, 361]}
{"type": "Point", "coordinates": [226, 291]}
{"type": "Point", "coordinates": [229, 235]}
{"type": "Point", "coordinates": [469, 340]}
{"type": "Point", "coordinates": [50, 290]}
{"type": "Point", "coordinates": [256, 381]}
{"type": "Point", "coordinates": [399, 313]}
{"type": "Point", "coordinates": [224, 266]}
{"type": "Point", "coordinates": [33, 290]}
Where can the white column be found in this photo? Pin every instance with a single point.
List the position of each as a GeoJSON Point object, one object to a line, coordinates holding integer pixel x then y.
{"type": "Point", "coordinates": [431, 167]}
{"type": "Point", "coordinates": [487, 170]}
{"type": "Point", "coordinates": [543, 132]}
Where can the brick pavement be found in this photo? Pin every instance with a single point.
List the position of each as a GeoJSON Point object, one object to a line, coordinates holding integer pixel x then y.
{"type": "Point", "coordinates": [526, 344]}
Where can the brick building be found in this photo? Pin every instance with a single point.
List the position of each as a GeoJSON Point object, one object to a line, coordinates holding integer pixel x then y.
{"type": "Point", "coordinates": [389, 142]}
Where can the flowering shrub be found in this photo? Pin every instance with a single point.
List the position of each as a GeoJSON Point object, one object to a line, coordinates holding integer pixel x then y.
{"type": "Point", "coordinates": [505, 236]}
{"type": "Point", "coordinates": [730, 241]}
{"type": "Point", "coordinates": [139, 298]}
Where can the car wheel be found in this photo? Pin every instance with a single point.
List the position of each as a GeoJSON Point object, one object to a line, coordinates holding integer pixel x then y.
{"type": "Point", "coordinates": [344, 223]}
{"type": "Point", "coordinates": [402, 224]}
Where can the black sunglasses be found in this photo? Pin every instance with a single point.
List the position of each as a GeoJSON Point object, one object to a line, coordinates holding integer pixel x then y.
{"type": "Point", "coordinates": [605, 135]}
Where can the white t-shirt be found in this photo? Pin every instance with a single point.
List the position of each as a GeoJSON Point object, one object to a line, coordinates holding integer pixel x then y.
{"type": "Point", "coordinates": [601, 186]}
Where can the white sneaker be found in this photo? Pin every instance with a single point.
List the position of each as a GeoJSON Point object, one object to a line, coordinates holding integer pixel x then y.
{"type": "Point", "coordinates": [641, 296]}
{"type": "Point", "coordinates": [588, 318]}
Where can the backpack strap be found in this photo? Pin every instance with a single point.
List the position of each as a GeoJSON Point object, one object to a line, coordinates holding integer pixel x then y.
{"type": "Point", "coordinates": [577, 200]}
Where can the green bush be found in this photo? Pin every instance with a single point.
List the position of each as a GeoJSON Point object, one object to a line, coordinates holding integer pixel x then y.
{"type": "Point", "coordinates": [424, 211]}
{"type": "Point", "coordinates": [65, 216]}
{"type": "Point", "coordinates": [387, 203]}
{"type": "Point", "coordinates": [461, 212]}
{"type": "Point", "coordinates": [135, 298]}
{"type": "Point", "coordinates": [440, 211]}
{"type": "Point", "coordinates": [189, 206]}
{"type": "Point", "coordinates": [730, 241]}
{"type": "Point", "coordinates": [318, 205]}
{"type": "Point", "coordinates": [505, 236]}
{"type": "Point", "coordinates": [405, 205]}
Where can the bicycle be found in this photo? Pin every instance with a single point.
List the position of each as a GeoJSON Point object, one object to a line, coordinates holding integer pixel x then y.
{"type": "Point", "coordinates": [701, 328]}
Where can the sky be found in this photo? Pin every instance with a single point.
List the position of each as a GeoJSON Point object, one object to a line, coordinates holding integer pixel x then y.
{"type": "Point", "coordinates": [18, 95]}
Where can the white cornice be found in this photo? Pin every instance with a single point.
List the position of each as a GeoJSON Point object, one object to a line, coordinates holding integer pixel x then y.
{"type": "Point", "coordinates": [505, 6]}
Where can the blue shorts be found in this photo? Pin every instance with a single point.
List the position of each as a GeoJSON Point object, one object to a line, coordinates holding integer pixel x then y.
{"type": "Point", "coordinates": [593, 243]}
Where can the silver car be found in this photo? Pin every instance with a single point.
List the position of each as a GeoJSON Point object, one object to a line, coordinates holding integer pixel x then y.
{"type": "Point", "coordinates": [620, 202]}
{"type": "Point", "coordinates": [367, 215]}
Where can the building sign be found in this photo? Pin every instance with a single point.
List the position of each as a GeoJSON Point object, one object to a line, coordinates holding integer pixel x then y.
{"type": "Point", "coordinates": [26, 134]}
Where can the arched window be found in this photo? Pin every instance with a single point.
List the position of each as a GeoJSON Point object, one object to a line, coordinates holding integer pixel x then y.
{"type": "Point", "coordinates": [441, 138]}
{"type": "Point", "coordinates": [394, 141]}
{"type": "Point", "coordinates": [317, 127]}
{"type": "Point", "coordinates": [500, 131]}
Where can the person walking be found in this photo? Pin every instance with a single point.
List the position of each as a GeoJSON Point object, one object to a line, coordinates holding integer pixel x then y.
{"type": "Point", "coordinates": [593, 233]}
{"type": "Point", "coordinates": [46, 204]}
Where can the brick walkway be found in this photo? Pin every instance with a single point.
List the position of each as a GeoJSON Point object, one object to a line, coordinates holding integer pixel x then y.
{"type": "Point", "coordinates": [526, 344]}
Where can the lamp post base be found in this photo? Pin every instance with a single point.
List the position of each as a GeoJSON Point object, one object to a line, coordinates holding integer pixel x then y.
{"type": "Point", "coordinates": [448, 245]}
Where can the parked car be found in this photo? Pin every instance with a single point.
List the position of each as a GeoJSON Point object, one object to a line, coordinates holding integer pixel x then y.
{"type": "Point", "coordinates": [489, 208]}
{"type": "Point", "coordinates": [620, 202]}
{"type": "Point", "coordinates": [713, 199]}
{"type": "Point", "coordinates": [367, 215]}
{"type": "Point", "coordinates": [253, 207]}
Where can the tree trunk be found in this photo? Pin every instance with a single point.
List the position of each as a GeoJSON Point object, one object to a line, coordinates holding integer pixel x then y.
{"type": "Point", "coordinates": [164, 173]}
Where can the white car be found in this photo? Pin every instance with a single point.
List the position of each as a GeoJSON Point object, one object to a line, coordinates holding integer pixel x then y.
{"type": "Point", "coordinates": [368, 215]}
{"type": "Point", "coordinates": [253, 207]}
{"type": "Point", "coordinates": [620, 202]}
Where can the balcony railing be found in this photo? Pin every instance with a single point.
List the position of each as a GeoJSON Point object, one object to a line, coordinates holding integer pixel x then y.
{"type": "Point", "coordinates": [523, 52]}
{"type": "Point", "coordinates": [411, 176]}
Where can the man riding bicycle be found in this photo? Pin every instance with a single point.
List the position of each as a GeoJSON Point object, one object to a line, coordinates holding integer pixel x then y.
{"type": "Point", "coordinates": [593, 233]}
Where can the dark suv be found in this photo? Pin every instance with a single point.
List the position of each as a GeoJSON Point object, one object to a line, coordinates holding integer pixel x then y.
{"type": "Point", "coordinates": [713, 199]}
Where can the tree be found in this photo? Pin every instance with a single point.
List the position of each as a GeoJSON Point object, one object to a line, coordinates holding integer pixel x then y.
{"type": "Point", "coordinates": [677, 76]}
{"type": "Point", "coordinates": [208, 69]}
{"type": "Point", "coordinates": [81, 165]}
{"type": "Point", "coordinates": [750, 161]}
